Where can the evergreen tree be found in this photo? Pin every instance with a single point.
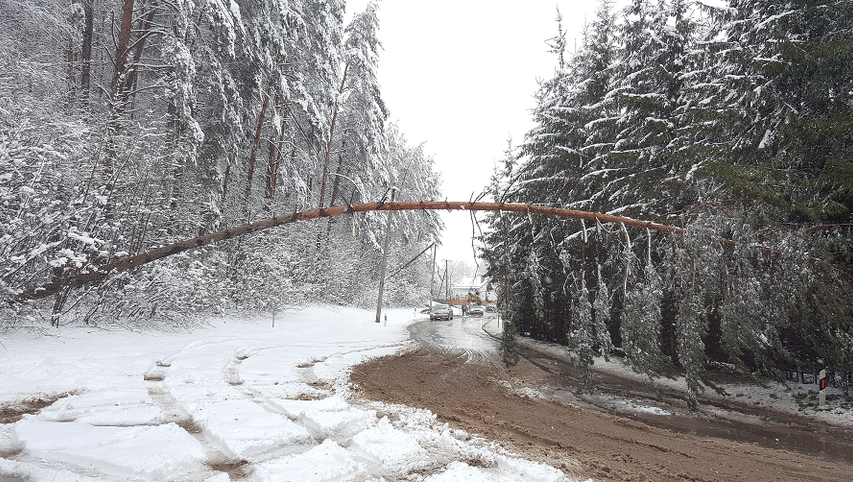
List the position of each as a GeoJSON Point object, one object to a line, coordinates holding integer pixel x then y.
{"type": "Point", "coordinates": [641, 324]}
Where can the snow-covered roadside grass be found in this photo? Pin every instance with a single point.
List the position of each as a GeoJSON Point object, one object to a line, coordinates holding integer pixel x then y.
{"type": "Point", "coordinates": [238, 399]}
{"type": "Point", "coordinates": [791, 398]}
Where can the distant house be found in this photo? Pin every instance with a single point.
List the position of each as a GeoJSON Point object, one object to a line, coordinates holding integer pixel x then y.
{"type": "Point", "coordinates": [479, 285]}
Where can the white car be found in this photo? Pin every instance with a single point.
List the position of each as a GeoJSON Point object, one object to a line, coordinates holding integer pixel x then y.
{"type": "Point", "coordinates": [441, 312]}
{"type": "Point", "coordinates": [476, 310]}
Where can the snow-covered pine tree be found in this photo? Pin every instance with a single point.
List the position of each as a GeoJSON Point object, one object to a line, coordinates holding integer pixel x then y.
{"type": "Point", "coordinates": [641, 317]}
{"type": "Point", "coordinates": [601, 315]}
{"type": "Point", "coordinates": [582, 339]}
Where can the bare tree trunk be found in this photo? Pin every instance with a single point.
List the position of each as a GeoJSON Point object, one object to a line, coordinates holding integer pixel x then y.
{"type": "Point", "coordinates": [71, 58]}
{"type": "Point", "coordinates": [138, 48]}
{"type": "Point", "coordinates": [121, 47]}
{"type": "Point", "coordinates": [225, 178]}
{"type": "Point", "coordinates": [275, 160]}
{"type": "Point", "coordinates": [101, 272]}
{"type": "Point", "coordinates": [86, 51]}
{"type": "Point", "coordinates": [335, 187]}
{"type": "Point", "coordinates": [331, 136]}
{"type": "Point", "coordinates": [336, 184]}
{"type": "Point", "coordinates": [255, 145]}
{"type": "Point", "coordinates": [120, 61]}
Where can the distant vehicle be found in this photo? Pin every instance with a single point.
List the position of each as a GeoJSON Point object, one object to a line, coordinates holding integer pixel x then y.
{"type": "Point", "coordinates": [441, 312]}
{"type": "Point", "coordinates": [491, 309]}
{"type": "Point", "coordinates": [476, 310]}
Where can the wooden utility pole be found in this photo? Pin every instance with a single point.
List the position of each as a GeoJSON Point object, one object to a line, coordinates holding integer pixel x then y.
{"type": "Point", "coordinates": [384, 261]}
{"type": "Point", "coordinates": [447, 280]}
{"type": "Point", "coordinates": [432, 278]}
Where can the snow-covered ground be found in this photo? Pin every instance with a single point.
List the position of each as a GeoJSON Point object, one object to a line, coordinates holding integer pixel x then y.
{"type": "Point", "coordinates": [237, 399]}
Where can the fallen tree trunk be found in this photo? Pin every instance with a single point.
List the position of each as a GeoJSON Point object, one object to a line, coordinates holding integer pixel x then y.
{"type": "Point", "coordinates": [101, 272]}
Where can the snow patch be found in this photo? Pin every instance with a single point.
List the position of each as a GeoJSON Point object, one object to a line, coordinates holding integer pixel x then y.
{"type": "Point", "coordinates": [326, 462]}
{"type": "Point", "coordinates": [147, 452]}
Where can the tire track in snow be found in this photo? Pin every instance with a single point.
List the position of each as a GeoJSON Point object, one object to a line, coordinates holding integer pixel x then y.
{"type": "Point", "coordinates": [344, 436]}
{"type": "Point", "coordinates": [216, 460]}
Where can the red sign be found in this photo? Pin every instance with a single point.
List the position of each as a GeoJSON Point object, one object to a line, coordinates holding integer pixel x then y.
{"type": "Point", "coordinates": [823, 383]}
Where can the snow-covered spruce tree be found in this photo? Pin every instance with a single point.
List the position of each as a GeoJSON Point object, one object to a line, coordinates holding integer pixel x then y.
{"type": "Point", "coordinates": [532, 280]}
{"type": "Point", "coordinates": [552, 169]}
{"type": "Point", "coordinates": [509, 349]}
{"type": "Point", "coordinates": [595, 65]}
{"type": "Point", "coordinates": [692, 270]}
{"type": "Point", "coordinates": [551, 151]}
{"type": "Point", "coordinates": [588, 334]}
{"type": "Point", "coordinates": [710, 108]}
{"type": "Point", "coordinates": [691, 348]}
{"type": "Point", "coordinates": [641, 316]}
{"type": "Point", "coordinates": [601, 315]}
{"type": "Point", "coordinates": [750, 319]}
{"type": "Point", "coordinates": [648, 159]}
{"type": "Point", "coordinates": [781, 305]}
{"type": "Point", "coordinates": [497, 255]}
{"type": "Point", "coordinates": [582, 335]}
{"type": "Point", "coordinates": [774, 103]}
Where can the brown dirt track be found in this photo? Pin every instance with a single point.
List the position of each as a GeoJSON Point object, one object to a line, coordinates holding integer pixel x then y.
{"type": "Point", "coordinates": [583, 443]}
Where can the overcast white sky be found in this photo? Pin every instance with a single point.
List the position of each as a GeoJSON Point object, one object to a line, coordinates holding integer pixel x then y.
{"type": "Point", "coordinates": [459, 76]}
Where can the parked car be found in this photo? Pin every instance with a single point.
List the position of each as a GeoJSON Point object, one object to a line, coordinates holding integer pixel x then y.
{"type": "Point", "coordinates": [441, 312]}
{"type": "Point", "coordinates": [491, 309]}
{"type": "Point", "coordinates": [476, 310]}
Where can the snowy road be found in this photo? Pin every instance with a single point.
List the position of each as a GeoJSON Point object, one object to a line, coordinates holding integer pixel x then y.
{"type": "Point", "coordinates": [236, 400]}
{"type": "Point", "coordinates": [463, 337]}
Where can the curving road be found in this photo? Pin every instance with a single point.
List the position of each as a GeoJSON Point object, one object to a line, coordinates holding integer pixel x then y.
{"type": "Point", "coordinates": [460, 337]}
{"type": "Point", "coordinates": [465, 340]}
{"type": "Point", "coordinates": [456, 375]}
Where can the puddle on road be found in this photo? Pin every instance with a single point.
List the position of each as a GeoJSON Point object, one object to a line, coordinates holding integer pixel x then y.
{"type": "Point", "coordinates": [463, 337]}
{"type": "Point", "coordinates": [798, 435]}
{"type": "Point", "coordinates": [830, 445]}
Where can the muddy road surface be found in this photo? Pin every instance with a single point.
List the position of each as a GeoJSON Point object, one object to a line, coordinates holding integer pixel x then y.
{"type": "Point", "coordinates": [532, 410]}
